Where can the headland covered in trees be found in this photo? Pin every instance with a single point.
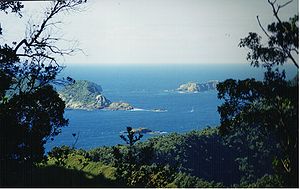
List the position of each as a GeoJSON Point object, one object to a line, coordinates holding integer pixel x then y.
{"type": "Point", "coordinates": [255, 144]}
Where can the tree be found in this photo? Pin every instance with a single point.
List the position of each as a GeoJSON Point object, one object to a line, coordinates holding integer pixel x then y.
{"type": "Point", "coordinates": [282, 41]}
{"type": "Point", "coordinates": [126, 162]}
{"type": "Point", "coordinates": [31, 111]}
{"type": "Point", "coordinates": [265, 113]}
{"type": "Point", "coordinates": [14, 6]}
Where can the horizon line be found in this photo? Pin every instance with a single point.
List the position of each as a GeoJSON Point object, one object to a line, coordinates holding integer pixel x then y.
{"type": "Point", "coordinates": [148, 64]}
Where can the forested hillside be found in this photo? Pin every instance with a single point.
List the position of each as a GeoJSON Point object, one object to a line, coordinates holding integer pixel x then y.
{"type": "Point", "coordinates": [196, 159]}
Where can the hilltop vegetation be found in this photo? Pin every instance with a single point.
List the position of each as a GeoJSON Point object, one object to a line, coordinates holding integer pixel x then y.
{"type": "Point", "coordinates": [195, 159]}
{"type": "Point", "coordinates": [84, 95]}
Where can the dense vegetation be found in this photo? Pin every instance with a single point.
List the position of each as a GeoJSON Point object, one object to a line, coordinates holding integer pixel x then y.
{"type": "Point", "coordinates": [264, 114]}
{"type": "Point", "coordinates": [31, 111]}
{"type": "Point", "coordinates": [195, 159]}
{"type": "Point", "coordinates": [256, 144]}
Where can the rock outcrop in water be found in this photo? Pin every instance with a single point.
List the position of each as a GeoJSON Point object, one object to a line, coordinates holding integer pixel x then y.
{"type": "Point", "coordinates": [192, 87]}
{"type": "Point", "coordinates": [143, 130]}
{"type": "Point", "coordinates": [87, 95]}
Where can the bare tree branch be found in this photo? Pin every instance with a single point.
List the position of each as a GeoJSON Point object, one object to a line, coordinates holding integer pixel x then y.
{"type": "Point", "coordinates": [276, 10]}
{"type": "Point", "coordinates": [293, 60]}
{"type": "Point", "coordinates": [39, 51]}
{"type": "Point", "coordinates": [263, 29]}
{"type": "Point", "coordinates": [285, 4]}
{"type": "Point", "coordinates": [58, 7]}
{"type": "Point", "coordinates": [275, 13]}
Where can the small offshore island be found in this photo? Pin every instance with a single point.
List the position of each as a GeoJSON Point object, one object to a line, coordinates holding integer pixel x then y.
{"type": "Point", "coordinates": [86, 95]}
{"type": "Point", "coordinates": [194, 87]}
{"type": "Point", "coordinates": [120, 106]}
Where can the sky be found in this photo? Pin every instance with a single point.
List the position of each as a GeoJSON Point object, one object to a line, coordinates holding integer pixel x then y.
{"type": "Point", "coordinates": [154, 31]}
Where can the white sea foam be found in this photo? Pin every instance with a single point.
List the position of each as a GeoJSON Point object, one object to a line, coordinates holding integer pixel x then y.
{"type": "Point", "coordinates": [163, 132]}
{"type": "Point", "coordinates": [158, 132]}
{"type": "Point", "coordinates": [139, 110]}
{"type": "Point", "coordinates": [145, 110]}
{"type": "Point", "coordinates": [136, 109]}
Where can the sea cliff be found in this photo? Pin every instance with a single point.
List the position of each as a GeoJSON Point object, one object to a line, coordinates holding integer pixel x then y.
{"type": "Point", "coordinates": [87, 95]}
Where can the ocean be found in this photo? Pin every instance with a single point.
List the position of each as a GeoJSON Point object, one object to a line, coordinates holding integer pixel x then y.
{"type": "Point", "coordinates": [148, 87]}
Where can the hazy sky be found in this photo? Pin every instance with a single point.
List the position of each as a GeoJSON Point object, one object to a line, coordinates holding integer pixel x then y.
{"type": "Point", "coordinates": [156, 31]}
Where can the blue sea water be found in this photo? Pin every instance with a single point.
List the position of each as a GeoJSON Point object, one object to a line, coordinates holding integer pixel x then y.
{"type": "Point", "coordinates": [148, 87]}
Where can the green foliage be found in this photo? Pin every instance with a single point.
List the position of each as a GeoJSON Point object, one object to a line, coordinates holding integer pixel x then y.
{"type": "Point", "coordinates": [73, 160]}
{"type": "Point", "coordinates": [200, 153]}
{"type": "Point", "coordinates": [282, 43]}
{"type": "Point", "coordinates": [124, 159]}
{"type": "Point", "coordinates": [202, 159]}
{"type": "Point", "coordinates": [76, 171]}
{"type": "Point", "coordinates": [152, 176]}
{"type": "Point", "coordinates": [28, 121]}
{"type": "Point", "coordinates": [13, 6]}
{"type": "Point", "coordinates": [131, 138]}
{"type": "Point", "coordinates": [183, 180]}
{"type": "Point", "coordinates": [103, 154]}
{"type": "Point", "coordinates": [60, 155]}
{"type": "Point", "coordinates": [263, 115]}
{"type": "Point", "coordinates": [267, 181]}
{"type": "Point", "coordinates": [195, 159]}
{"type": "Point", "coordinates": [31, 111]}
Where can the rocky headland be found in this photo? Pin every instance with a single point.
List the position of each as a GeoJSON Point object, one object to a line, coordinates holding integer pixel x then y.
{"type": "Point", "coordinates": [87, 95]}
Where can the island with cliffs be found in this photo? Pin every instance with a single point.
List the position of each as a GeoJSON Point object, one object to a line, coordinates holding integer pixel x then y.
{"type": "Point", "coordinates": [194, 87]}
{"type": "Point", "coordinates": [87, 95]}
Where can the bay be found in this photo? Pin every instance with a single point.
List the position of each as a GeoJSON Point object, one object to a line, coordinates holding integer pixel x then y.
{"type": "Point", "coordinates": [148, 87]}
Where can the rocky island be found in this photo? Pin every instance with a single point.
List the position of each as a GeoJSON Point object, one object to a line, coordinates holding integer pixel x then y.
{"type": "Point", "coordinates": [119, 106]}
{"type": "Point", "coordinates": [87, 95]}
{"type": "Point", "coordinates": [192, 87]}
